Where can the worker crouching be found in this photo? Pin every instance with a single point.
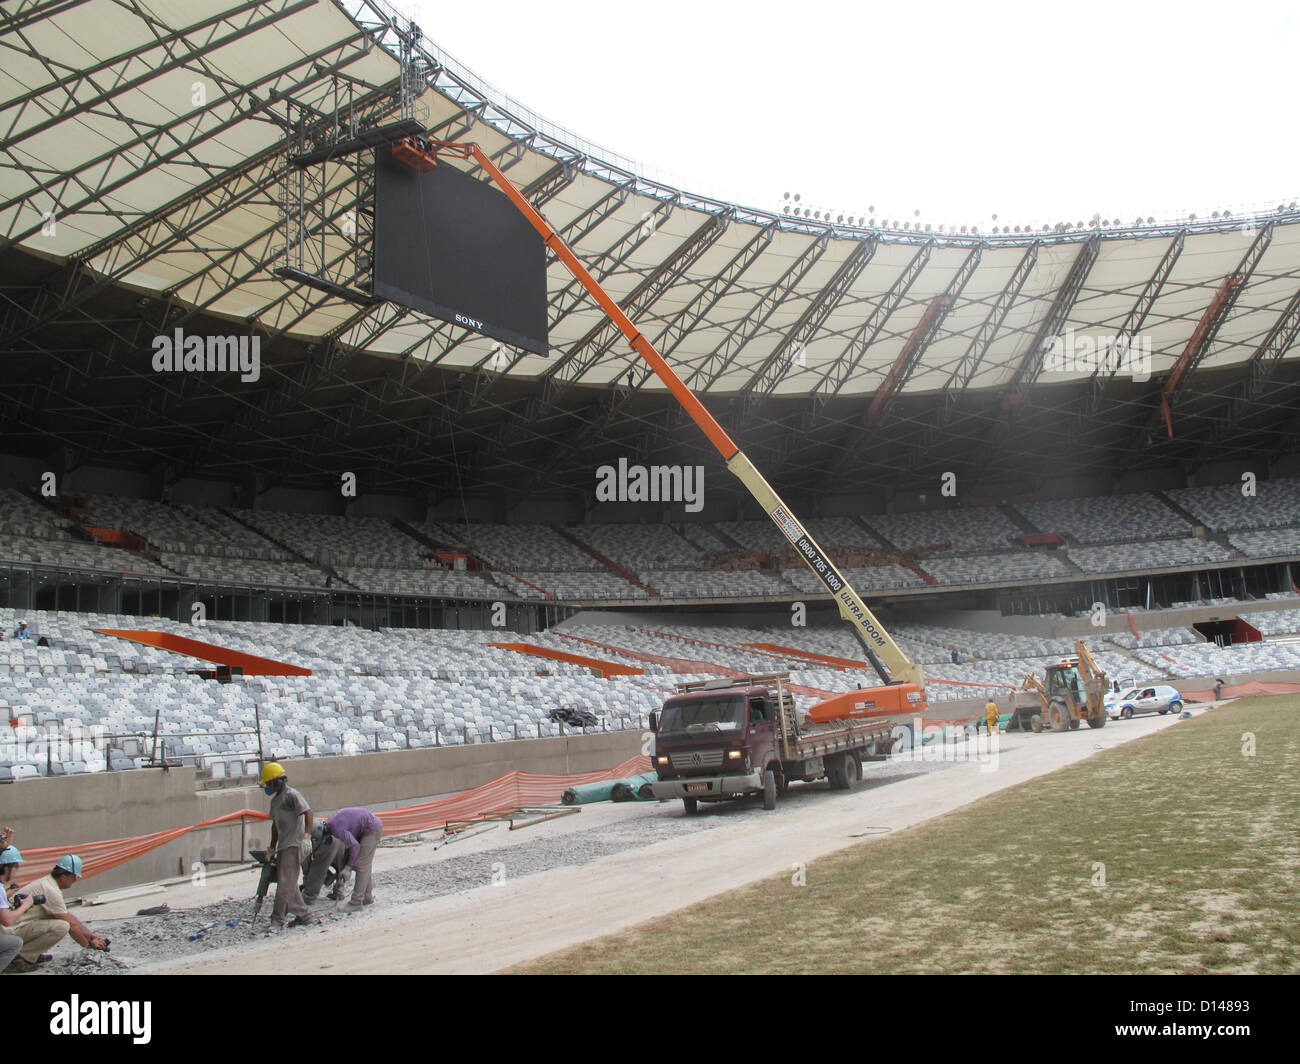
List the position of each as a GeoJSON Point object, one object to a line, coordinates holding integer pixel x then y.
{"type": "Point", "coordinates": [327, 853]}
{"type": "Point", "coordinates": [290, 824]}
{"type": "Point", "coordinates": [47, 920]}
{"type": "Point", "coordinates": [360, 831]}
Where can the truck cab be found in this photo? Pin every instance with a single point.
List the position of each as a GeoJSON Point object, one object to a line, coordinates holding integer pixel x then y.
{"type": "Point", "coordinates": [722, 739]}
{"type": "Point", "coordinates": [715, 743]}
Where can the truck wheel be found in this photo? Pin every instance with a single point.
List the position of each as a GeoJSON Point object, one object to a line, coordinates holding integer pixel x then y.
{"type": "Point", "coordinates": [691, 805]}
{"type": "Point", "coordinates": [843, 772]}
{"type": "Point", "coordinates": [1126, 712]}
{"type": "Point", "coordinates": [1060, 717]}
{"type": "Point", "coordinates": [769, 790]}
{"type": "Point", "coordinates": [1035, 723]}
{"type": "Point", "coordinates": [1074, 723]}
{"type": "Point", "coordinates": [1099, 721]}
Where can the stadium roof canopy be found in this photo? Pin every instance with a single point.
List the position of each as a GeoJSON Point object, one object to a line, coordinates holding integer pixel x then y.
{"type": "Point", "coordinates": [144, 187]}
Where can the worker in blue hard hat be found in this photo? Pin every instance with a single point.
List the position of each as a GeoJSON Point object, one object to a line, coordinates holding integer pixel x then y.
{"type": "Point", "coordinates": [10, 859]}
{"type": "Point", "coordinates": [48, 921]}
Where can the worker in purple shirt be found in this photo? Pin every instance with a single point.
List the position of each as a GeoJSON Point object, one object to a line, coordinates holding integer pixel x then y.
{"type": "Point", "coordinates": [360, 831]}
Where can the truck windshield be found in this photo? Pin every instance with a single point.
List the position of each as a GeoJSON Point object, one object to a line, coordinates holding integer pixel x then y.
{"type": "Point", "coordinates": [702, 715]}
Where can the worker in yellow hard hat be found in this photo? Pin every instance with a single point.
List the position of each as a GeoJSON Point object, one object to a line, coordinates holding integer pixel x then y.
{"type": "Point", "coordinates": [290, 827]}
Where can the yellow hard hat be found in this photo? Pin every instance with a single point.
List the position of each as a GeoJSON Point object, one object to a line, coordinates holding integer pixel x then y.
{"type": "Point", "coordinates": [272, 770]}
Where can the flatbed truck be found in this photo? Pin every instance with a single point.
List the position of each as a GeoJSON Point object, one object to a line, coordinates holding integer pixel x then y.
{"type": "Point", "coordinates": [716, 740]}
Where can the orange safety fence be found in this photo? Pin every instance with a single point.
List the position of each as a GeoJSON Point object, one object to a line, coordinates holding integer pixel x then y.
{"type": "Point", "coordinates": [514, 790]}
{"type": "Point", "coordinates": [99, 857]}
{"type": "Point", "coordinates": [1245, 690]}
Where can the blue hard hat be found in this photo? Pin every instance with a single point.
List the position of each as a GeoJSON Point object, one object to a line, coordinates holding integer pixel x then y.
{"type": "Point", "coordinates": [69, 863]}
{"type": "Point", "coordinates": [10, 855]}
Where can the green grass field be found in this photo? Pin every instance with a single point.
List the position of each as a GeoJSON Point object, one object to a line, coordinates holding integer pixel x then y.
{"type": "Point", "coordinates": [1198, 840]}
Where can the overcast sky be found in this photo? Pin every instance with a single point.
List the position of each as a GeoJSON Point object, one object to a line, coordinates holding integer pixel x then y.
{"type": "Point", "coordinates": [1039, 112]}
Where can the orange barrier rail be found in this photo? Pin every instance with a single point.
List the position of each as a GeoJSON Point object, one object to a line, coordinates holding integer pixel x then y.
{"type": "Point", "coordinates": [605, 668]}
{"type": "Point", "coordinates": [809, 655]}
{"type": "Point", "coordinates": [691, 666]}
{"type": "Point", "coordinates": [512, 791]}
{"type": "Point", "coordinates": [250, 663]}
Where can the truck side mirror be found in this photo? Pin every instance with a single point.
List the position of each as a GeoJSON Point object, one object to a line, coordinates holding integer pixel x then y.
{"type": "Point", "coordinates": [654, 721]}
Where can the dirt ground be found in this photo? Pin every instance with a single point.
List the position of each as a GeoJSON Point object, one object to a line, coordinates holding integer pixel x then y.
{"type": "Point", "coordinates": [492, 897]}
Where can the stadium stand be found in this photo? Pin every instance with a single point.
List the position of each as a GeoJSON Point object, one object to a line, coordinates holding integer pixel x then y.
{"type": "Point", "coordinates": [1223, 507]}
{"type": "Point", "coordinates": [642, 548]}
{"type": "Point", "coordinates": [425, 580]}
{"type": "Point", "coordinates": [989, 568]}
{"type": "Point", "coordinates": [1107, 518]}
{"type": "Point", "coordinates": [1273, 543]}
{"type": "Point", "coordinates": [1150, 555]}
{"type": "Point", "coordinates": [955, 530]}
{"type": "Point", "coordinates": [336, 540]}
{"type": "Point", "coordinates": [387, 688]}
{"type": "Point", "coordinates": [515, 547]}
{"type": "Point", "coordinates": [873, 578]}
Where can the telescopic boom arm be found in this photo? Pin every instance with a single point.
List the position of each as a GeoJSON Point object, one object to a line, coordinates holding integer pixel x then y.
{"type": "Point", "coordinates": [881, 650]}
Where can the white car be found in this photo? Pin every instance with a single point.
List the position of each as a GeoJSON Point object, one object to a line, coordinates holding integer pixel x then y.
{"type": "Point", "coordinates": [1158, 698]}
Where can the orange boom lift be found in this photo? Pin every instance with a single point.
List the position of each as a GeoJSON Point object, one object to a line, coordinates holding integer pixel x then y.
{"type": "Point", "coordinates": [904, 685]}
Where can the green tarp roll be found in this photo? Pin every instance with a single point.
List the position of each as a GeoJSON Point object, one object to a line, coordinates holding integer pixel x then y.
{"type": "Point", "coordinates": [586, 793]}
{"type": "Point", "coordinates": [630, 789]}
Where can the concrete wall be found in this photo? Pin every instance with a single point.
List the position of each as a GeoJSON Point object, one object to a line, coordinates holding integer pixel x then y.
{"type": "Point", "coordinates": [69, 811]}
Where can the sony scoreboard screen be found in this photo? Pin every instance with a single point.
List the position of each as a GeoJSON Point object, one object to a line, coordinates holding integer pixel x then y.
{"type": "Point", "coordinates": [451, 245]}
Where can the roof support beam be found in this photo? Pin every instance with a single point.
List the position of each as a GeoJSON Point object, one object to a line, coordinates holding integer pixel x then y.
{"type": "Point", "coordinates": [611, 408]}
{"type": "Point", "coordinates": [1031, 365]}
{"type": "Point", "coordinates": [67, 82]}
{"type": "Point", "coordinates": [777, 366]}
{"type": "Point", "coordinates": [715, 364]}
{"type": "Point", "coordinates": [839, 371]}
{"type": "Point", "coordinates": [1259, 370]}
{"type": "Point", "coordinates": [973, 358]}
{"type": "Point", "coordinates": [24, 13]}
{"type": "Point", "coordinates": [167, 142]}
{"type": "Point", "coordinates": [926, 329]}
{"type": "Point", "coordinates": [1202, 338]}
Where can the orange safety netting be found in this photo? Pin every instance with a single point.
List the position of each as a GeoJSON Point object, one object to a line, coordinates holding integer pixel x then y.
{"type": "Point", "coordinates": [1245, 690]}
{"type": "Point", "coordinates": [514, 790]}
